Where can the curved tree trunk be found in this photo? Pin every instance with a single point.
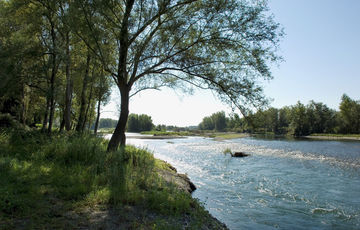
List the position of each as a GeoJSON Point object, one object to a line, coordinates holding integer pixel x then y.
{"type": "Point", "coordinates": [118, 138]}
{"type": "Point", "coordinates": [123, 84]}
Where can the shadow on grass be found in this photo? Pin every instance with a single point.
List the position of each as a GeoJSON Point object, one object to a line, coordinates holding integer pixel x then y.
{"type": "Point", "coordinates": [70, 182]}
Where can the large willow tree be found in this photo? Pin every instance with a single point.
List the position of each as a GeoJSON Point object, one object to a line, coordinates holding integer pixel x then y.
{"type": "Point", "coordinates": [222, 45]}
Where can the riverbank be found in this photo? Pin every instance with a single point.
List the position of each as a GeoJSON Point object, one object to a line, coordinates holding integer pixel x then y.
{"type": "Point", "coordinates": [70, 182]}
{"type": "Point", "coordinates": [155, 137]}
{"type": "Point", "coordinates": [333, 137]}
{"type": "Point", "coordinates": [218, 136]}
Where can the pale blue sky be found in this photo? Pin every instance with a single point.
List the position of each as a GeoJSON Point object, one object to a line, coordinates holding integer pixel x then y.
{"type": "Point", "coordinates": [321, 51]}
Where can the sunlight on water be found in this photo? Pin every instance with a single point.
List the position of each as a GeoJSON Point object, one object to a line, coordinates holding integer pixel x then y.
{"type": "Point", "coordinates": [282, 185]}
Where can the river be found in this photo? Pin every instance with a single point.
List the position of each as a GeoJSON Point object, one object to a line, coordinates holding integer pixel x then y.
{"type": "Point", "coordinates": [283, 184]}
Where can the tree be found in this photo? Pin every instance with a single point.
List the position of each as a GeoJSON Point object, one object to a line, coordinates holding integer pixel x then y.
{"type": "Point", "coordinates": [43, 63]}
{"type": "Point", "coordinates": [349, 115]}
{"type": "Point", "coordinates": [102, 92]}
{"type": "Point", "coordinates": [139, 123]}
{"type": "Point", "coordinates": [23, 64]}
{"type": "Point", "coordinates": [321, 118]}
{"type": "Point", "coordinates": [85, 80]}
{"type": "Point", "coordinates": [284, 119]}
{"type": "Point", "coordinates": [219, 120]}
{"type": "Point", "coordinates": [107, 123]}
{"type": "Point", "coordinates": [272, 120]}
{"type": "Point", "coordinates": [220, 45]}
{"type": "Point", "coordinates": [207, 124]}
{"type": "Point", "coordinates": [299, 124]}
{"type": "Point", "coordinates": [235, 123]}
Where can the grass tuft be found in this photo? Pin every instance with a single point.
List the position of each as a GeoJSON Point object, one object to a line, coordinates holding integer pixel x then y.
{"type": "Point", "coordinates": [227, 151]}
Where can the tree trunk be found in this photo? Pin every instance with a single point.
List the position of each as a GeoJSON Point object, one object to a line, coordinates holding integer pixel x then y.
{"type": "Point", "coordinates": [97, 117]}
{"type": "Point", "coordinates": [83, 96]}
{"type": "Point", "coordinates": [62, 124]}
{"type": "Point", "coordinates": [23, 105]}
{"type": "Point", "coordinates": [52, 78]}
{"type": "Point", "coordinates": [88, 106]}
{"type": "Point", "coordinates": [46, 115]}
{"type": "Point", "coordinates": [69, 87]}
{"type": "Point", "coordinates": [124, 86]}
{"type": "Point", "coordinates": [91, 114]}
{"type": "Point", "coordinates": [119, 134]}
{"type": "Point", "coordinates": [52, 100]}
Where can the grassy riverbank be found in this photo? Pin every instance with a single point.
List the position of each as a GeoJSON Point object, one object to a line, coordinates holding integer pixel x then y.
{"type": "Point", "coordinates": [69, 181]}
{"type": "Point", "coordinates": [211, 134]}
{"type": "Point", "coordinates": [331, 136]}
{"type": "Point", "coordinates": [165, 133]}
{"type": "Point", "coordinates": [227, 136]}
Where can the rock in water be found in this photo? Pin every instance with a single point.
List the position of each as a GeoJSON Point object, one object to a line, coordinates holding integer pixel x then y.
{"type": "Point", "coordinates": [239, 154]}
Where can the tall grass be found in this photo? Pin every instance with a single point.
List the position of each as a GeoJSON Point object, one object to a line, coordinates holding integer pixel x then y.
{"type": "Point", "coordinates": [36, 171]}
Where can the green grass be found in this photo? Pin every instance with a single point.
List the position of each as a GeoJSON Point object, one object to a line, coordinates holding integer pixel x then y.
{"type": "Point", "coordinates": [230, 135]}
{"type": "Point", "coordinates": [42, 178]}
{"type": "Point", "coordinates": [106, 130]}
{"type": "Point", "coordinates": [335, 135]}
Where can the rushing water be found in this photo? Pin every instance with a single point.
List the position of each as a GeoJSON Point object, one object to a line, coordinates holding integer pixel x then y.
{"type": "Point", "coordinates": [284, 184]}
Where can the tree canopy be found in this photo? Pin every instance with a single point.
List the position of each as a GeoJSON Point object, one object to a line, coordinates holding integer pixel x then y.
{"type": "Point", "coordinates": [217, 122]}
{"type": "Point", "coordinates": [48, 75]}
{"type": "Point", "coordinates": [139, 123]}
{"type": "Point", "coordinates": [298, 119]}
{"type": "Point", "coordinates": [222, 45]}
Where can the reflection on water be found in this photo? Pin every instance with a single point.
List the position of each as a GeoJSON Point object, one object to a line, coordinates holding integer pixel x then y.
{"type": "Point", "coordinates": [284, 184]}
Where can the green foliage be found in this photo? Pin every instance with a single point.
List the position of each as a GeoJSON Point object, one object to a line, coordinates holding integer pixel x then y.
{"type": "Point", "coordinates": [139, 123]}
{"type": "Point", "coordinates": [36, 60]}
{"type": "Point", "coordinates": [297, 120]}
{"type": "Point", "coordinates": [299, 125]}
{"type": "Point", "coordinates": [336, 135]}
{"type": "Point", "coordinates": [7, 121]}
{"type": "Point", "coordinates": [35, 170]}
{"type": "Point", "coordinates": [107, 123]}
{"type": "Point", "coordinates": [349, 115]}
{"type": "Point", "coordinates": [217, 121]}
{"type": "Point", "coordinates": [166, 133]}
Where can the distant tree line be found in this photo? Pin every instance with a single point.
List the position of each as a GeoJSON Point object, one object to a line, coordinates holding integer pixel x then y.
{"type": "Point", "coordinates": [217, 121]}
{"type": "Point", "coordinates": [174, 128]}
{"type": "Point", "coordinates": [297, 120]}
{"type": "Point", "coordinates": [106, 123]}
{"type": "Point", "coordinates": [139, 123]}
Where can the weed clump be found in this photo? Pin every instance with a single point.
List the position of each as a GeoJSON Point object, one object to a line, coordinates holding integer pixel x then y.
{"type": "Point", "coordinates": [227, 151]}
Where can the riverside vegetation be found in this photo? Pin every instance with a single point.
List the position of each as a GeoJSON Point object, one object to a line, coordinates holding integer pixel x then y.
{"type": "Point", "coordinates": [70, 181]}
{"type": "Point", "coordinates": [297, 120]}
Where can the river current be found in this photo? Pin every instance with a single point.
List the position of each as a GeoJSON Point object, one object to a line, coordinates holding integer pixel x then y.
{"type": "Point", "coordinates": [283, 184]}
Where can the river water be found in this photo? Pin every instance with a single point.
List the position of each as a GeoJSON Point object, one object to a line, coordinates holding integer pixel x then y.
{"type": "Point", "coordinates": [283, 184]}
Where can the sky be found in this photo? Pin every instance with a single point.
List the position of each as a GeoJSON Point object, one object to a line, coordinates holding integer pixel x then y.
{"type": "Point", "coordinates": [321, 49]}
